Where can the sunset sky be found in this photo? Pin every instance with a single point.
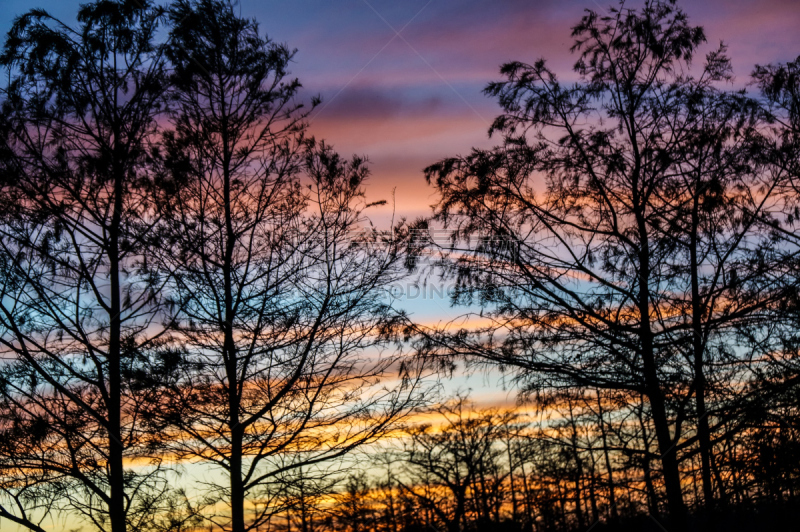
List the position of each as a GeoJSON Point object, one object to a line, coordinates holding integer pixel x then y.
{"type": "Point", "coordinates": [408, 100]}
{"type": "Point", "coordinates": [401, 81]}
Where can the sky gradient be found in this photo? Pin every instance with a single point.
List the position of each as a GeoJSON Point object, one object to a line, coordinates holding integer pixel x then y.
{"type": "Point", "coordinates": [410, 98]}
{"type": "Point", "coordinates": [401, 82]}
{"type": "Point", "coordinates": [407, 101]}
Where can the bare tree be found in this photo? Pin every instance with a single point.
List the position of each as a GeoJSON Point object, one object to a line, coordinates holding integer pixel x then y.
{"type": "Point", "coordinates": [81, 306]}
{"type": "Point", "coordinates": [615, 206]}
{"type": "Point", "coordinates": [455, 469]}
{"type": "Point", "coordinates": [354, 509]}
{"type": "Point", "coordinates": [282, 282]}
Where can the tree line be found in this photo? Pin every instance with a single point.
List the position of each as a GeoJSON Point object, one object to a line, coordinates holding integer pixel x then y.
{"type": "Point", "coordinates": [189, 277]}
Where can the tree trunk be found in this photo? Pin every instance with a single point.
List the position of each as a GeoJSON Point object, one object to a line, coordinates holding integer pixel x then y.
{"type": "Point", "coordinates": [526, 498]}
{"type": "Point", "coordinates": [303, 510]}
{"type": "Point", "coordinates": [652, 385]}
{"type": "Point", "coordinates": [703, 431]}
{"type": "Point", "coordinates": [592, 488]}
{"type": "Point", "coordinates": [669, 462]}
{"type": "Point", "coordinates": [116, 472]}
{"type": "Point", "coordinates": [578, 468]}
{"type": "Point", "coordinates": [237, 485]}
{"type": "Point", "coordinates": [229, 345]}
{"type": "Point", "coordinates": [652, 502]}
{"type": "Point", "coordinates": [460, 510]}
{"type": "Point", "coordinates": [612, 497]}
{"type": "Point", "coordinates": [514, 513]}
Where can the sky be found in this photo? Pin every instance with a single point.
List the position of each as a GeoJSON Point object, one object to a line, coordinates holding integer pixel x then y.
{"type": "Point", "coordinates": [401, 81]}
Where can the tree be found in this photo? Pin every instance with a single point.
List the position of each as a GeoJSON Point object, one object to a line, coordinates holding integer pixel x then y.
{"type": "Point", "coordinates": [619, 229]}
{"type": "Point", "coordinates": [454, 469]}
{"type": "Point", "coordinates": [354, 510]}
{"type": "Point", "coordinates": [81, 306]}
{"type": "Point", "coordinates": [280, 281]}
{"type": "Point", "coordinates": [780, 154]}
{"type": "Point", "coordinates": [721, 207]}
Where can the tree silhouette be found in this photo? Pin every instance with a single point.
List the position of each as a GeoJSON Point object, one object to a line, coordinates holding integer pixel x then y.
{"type": "Point", "coordinates": [618, 235]}
{"type": "Point", "coordinates": [187, 276]}
{"type": "Point", "coordinates": [279, 278]}
{"type": "Point", "coordinates": [454, 469]}
{"type": "Point", "coordinates": [80, 313]}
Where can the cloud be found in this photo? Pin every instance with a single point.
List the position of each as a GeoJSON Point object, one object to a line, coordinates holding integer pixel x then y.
{"type": "Point", "coordinates": [372, 102]}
